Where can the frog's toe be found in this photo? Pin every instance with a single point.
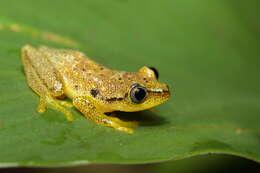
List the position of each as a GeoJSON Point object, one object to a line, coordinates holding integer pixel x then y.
{"type": "Point", "coordinates": [120, 127]}
{"type": "Point", "coordinates": [69, 116]}
{"type": "Point", "coordinates": [42, 105]}
{"type": "Point", "coordinates": [125, 129]}
{"type": "Point", "coordinates": [125, 123]}
{"type": "Point", "coordinates": [41, 108]}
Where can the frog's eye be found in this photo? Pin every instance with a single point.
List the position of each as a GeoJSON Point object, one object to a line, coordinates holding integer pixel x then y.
{"type": "Point", "coordinates": [138, 93]}
{"type": "Point", "coordinates": [156, 73]}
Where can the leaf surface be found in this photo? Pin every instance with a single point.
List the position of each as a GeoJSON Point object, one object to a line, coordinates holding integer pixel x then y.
{"type": "Point", "coordinates": [207, 51]}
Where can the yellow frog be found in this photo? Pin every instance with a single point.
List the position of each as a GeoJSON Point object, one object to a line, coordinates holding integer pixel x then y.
{"type": "Point", "coordinates": [94, 89]}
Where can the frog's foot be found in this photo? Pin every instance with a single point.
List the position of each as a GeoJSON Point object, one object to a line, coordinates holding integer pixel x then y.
{"type": "Point", "coordinates": [112, 116]}
{"type": "Point", "coordinates": [114, 122]}
{"type": "Point", "coordinates": [120, 125]}
{"type": "Point", "coordinates": [55, 104]}
{"type": "Point", "coordinates": [124, 123]}
{"type": "Point", "coordinates": [121, 128]}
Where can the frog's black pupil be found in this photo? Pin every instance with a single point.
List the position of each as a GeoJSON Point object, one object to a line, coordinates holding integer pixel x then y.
{"type": "Point", "coordinates": [140, 94]}
{"type": "Point", "coordinates": [156, 73]}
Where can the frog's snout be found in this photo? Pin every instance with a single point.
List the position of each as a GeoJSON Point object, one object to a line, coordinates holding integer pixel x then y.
{"type": "Point", "coordinates": [165, 95]}
{"type": "Point", "coordinates": [160, 95]}
{"type": "Point", "coordinates": [166, 92]}
{"type": "Point", "coordinates": [167, 86]}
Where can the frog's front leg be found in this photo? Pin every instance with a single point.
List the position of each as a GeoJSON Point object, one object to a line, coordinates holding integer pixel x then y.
{"type": "Point", "coordinates": [92, 113]}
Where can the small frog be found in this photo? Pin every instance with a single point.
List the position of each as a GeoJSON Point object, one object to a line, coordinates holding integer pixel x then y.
{"type": "Point", "coordinates": [94, 89]}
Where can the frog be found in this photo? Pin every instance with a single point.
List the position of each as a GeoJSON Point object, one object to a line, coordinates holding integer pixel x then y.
{"type": "Point", "coordinates": [66, 78]}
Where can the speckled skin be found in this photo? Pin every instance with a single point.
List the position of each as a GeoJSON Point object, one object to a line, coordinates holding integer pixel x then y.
{"type": "Point", "coordinates": [94, 89]}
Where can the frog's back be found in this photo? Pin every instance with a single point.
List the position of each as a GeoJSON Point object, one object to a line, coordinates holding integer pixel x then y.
{"type": "Point", "coordinates": [61, 58]}
{"type": "Point", "coordinates": [79, 74]}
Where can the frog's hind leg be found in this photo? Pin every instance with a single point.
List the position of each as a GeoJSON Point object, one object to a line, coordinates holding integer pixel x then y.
{"type": "Point", "coordinates": [43, 88]}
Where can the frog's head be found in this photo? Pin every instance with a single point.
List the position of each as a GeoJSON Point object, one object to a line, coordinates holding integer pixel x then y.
{"type": "Point", "coordinates": [143, 91]}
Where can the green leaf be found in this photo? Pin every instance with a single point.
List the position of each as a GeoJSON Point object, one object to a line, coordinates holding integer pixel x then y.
{"type": "Point", "coordinates": [207, 51]}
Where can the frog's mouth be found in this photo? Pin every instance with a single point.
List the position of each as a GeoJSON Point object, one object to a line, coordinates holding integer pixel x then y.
{"type": "Point", "coordinates": [160, 94]}
{"type": "Point", "coordinates": [158, 91]}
